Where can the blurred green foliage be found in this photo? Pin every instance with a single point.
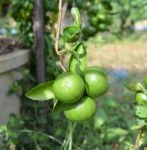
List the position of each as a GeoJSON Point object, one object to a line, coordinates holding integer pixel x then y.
{"type": "Point", "coordinates": [109, 128]}
{"type": "Point", "coordinates": [101, 15]}
{"type": "Point", "coordinates": [127, 13]}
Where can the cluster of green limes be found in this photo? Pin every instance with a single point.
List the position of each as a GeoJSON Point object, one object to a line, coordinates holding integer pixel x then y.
{"type": "Point", "coordinates": [76, 92]}
{"type": "Point", "coordinates": [73, 91]}
{"type": "Point", "coordinates": [140, 98]}
{"type": "Point", "coordinates": [99, 18]}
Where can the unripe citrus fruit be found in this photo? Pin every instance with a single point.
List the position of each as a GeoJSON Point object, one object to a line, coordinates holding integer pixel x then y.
{"type": "Point", "coordinates": [140, 98]}
{"type": "Point", "coordinates": [96, 81]}
{"type": "Point", "coordinates": [80, 111]}
{"type": "Point", "coordinates": [68, 87]}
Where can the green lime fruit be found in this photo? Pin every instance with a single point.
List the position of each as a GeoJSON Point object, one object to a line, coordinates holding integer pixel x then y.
{"type": "Point", "coordinates": [93, 21]}
{"type": "Point", "coordinates": [96, 81]}
{"type": "Point", "coordinates": [145, 81]}
{"type": "Point", "coordinates": [68, 87]}
{"type": "Point", "coordinates": [97, 68]}
{"type": "Point", "coordinates": [102, 26]}
{"type": "Point", "coordinates": [101, 17]}
{"type": "Point", "coordinates": [140, 98]}
{"type": "Point", "coordinates": [81, 111]}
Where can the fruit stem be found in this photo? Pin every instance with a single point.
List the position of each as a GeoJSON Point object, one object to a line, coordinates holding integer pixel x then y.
{"type": "Point", "coordinates": [68, 142]}
{"type": "Point", "coordinates": [76, 56]}
{"type": "Point", "coordinates": [70, 139]}
{"type": "Point", "coordinates": [71, 130]}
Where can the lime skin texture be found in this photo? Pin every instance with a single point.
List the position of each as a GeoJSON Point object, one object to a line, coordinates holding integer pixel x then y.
{"type": "Point", "coordinates": [81, 111]}
{"type": "Point", "coordinates": [96, 81]}
{"type": "Point", "coordinates": [141, 98]}
{"type": "Point", "coordinates": [68, 87]}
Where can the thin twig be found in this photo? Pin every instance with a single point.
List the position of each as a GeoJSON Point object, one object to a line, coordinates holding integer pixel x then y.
{"type": "Point", "coordinates": [61, 63]}
{"type": "Point", "coordinates": [58, 35]}
{"type": "Point", "coordinates": [136, 145]}
{"type": "Point", "coordinates": [58, 27]}
{"type": "Point", "coordinates": [44, 134]}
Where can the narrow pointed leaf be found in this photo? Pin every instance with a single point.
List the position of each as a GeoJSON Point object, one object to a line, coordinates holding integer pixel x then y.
{"type": "Point", "coordinates": [58, 107]}
{"type": "Point", "coordinates": [41, 92]}
{"type": "Point", "coordinates": [55, 101]}
{"type": "Point", "coordinates": [77, 17]}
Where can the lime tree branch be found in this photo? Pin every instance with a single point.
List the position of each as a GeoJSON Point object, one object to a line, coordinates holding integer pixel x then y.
{"type": "Point", "coordinates": [58, 35]}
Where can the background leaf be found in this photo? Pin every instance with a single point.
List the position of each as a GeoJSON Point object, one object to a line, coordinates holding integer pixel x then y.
{"type": "Point", "coordinates": [141, 111]}
{"type": "Point", "coordinates": [100, 118]}
{"type": "Point", "coordinates": [135, 86]}
{"type": "Point", "coordinates": [115, 132]}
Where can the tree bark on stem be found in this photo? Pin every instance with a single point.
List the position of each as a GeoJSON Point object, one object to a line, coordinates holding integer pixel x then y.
{"type": "Point", "coordinates": [40, 58]}
{"type": "Point", "coordinates": [39, 40]}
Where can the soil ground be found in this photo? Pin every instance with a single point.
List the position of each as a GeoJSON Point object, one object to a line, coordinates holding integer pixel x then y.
{"type": "Point", "coordinates": [129, 55]}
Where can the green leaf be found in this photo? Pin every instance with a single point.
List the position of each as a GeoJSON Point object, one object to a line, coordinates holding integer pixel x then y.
{"type": "Point", "coordinates": [70, 47]}
{"type": "Point", "coordinates": [115, 132]}
{"type": "Point", "coordinates": [136, 127]}
{"type": "Point", "coordinates": [41, 92]}
{"type": "Point", "coordinates": [3, 128]}
{"type": "Point", "coordinates": [55, 101]}
{"type": "Point", "coordinates": [100, 118]}
{"type": "Point", "coordinates": [77, 17]}
{"type": "Point", "coordinates": [141, 111]}
{"type": "Point", "coordinates": [110, 102]}
{"type": "Point", "coordinates": [71, 33]}
{"type": "Point", "coordinates": [135, 86]}
{"type": "Point", "coordinates": [141, 99]}
{"type": "Point", "coordinates": [141, 122]}
{"type": "Point", "coordinates": [77, 65]}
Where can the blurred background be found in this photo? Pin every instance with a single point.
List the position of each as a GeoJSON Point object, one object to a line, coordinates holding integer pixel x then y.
{"type": "Point", "coordinates": [115, 34]}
